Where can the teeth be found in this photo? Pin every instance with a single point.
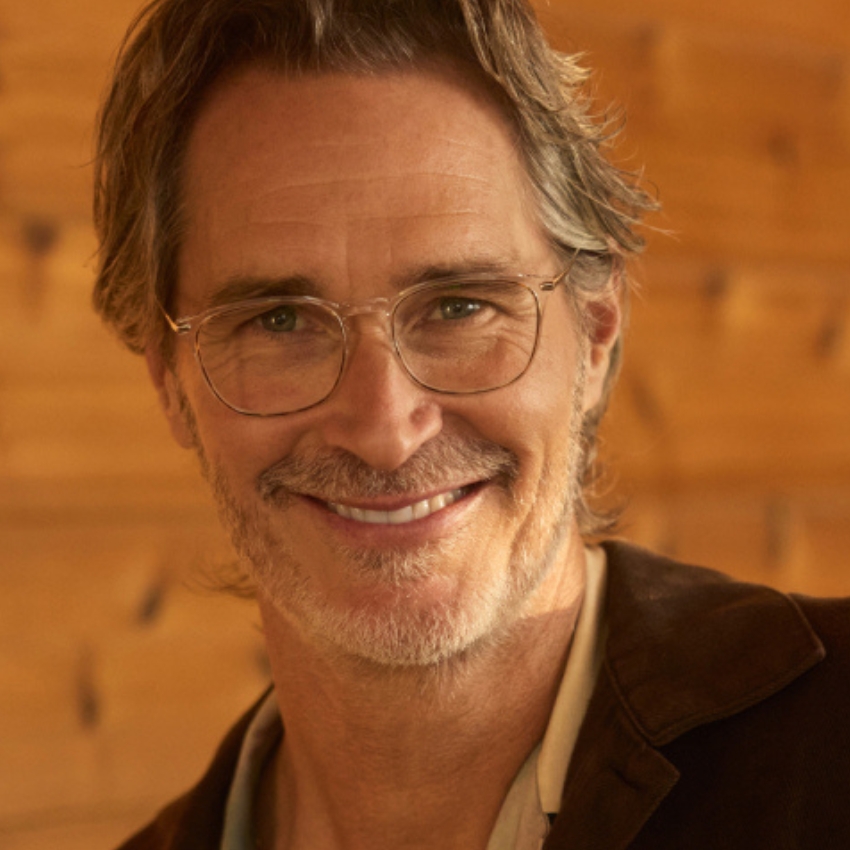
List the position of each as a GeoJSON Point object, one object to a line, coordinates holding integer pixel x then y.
{"type": "Point", "coordinates": [421, 509]}
{"type": "Point", "coordinates": [401, 516]}
{"type": "Point", "coordinates": [438, 502]}
{"type": "Point", "coordinates": [418, 510]}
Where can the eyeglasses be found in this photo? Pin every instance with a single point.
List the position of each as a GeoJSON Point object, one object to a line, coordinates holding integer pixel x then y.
{"type": "Point", "coordinates": [277, 355]}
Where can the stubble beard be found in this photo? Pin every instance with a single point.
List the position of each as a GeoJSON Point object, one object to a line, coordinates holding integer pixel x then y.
{"type": "Point", "coordinates": [403, 635]}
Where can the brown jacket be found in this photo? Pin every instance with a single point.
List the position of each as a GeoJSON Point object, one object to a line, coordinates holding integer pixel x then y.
{"type": "Point", "coordinates": [721, 719]}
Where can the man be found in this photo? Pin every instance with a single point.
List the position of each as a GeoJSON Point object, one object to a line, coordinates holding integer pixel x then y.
{"type": "Point", "coordinates": [372, 253]}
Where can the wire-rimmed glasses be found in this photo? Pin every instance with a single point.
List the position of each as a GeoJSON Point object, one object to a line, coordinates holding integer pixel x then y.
{"type": "Point", "coordinates": [275, 355]}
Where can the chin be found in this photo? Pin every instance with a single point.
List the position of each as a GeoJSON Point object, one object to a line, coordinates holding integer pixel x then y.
{"type": "Point", "coordinates": [408, 617]}
{"type": "Point", "coordinates": [403, 613]}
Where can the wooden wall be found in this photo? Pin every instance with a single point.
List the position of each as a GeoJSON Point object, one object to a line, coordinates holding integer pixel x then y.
{"type": "Point", "coordinates": [730, 434]}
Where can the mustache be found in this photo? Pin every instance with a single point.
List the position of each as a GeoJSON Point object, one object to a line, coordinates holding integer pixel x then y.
{"type": "Point", "coordinates": [337, 475]}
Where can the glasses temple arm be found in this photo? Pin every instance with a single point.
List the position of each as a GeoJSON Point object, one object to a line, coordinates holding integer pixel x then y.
{"type": "Point", "coordinates": [179, 326]}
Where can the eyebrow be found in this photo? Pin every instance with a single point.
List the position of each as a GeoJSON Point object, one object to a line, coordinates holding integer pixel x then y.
{"type": "Point", "coordinates": [245, 287]}
{"type": "Point", "coordinates": [439, 271]}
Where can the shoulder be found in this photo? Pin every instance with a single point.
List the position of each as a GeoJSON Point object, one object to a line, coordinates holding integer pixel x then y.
{"type": "Point", "coordinates": [663, 595]}
{"type": "Point", "coordinates": [687, 644]}
{"type": "Point", "coordinates": [827, 685]}
{"type": "Point", "coordinates": [743, 691]}
{"type": "Point", "coordinates": [831, 620]}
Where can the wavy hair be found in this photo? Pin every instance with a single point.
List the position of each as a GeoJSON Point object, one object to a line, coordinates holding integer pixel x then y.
{"type": "Point", "coordinates": [176, 50]}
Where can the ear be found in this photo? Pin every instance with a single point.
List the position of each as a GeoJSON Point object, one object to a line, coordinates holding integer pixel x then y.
{"type": "Point", "coordinates": [168, 390]}
{"type": "Point", "coordinates": [604, 318]}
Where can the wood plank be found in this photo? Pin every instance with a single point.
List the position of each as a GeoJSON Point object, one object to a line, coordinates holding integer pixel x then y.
{"type": "Point", "coordinates": [48, 329]}
{"type": "Point", "coordinates": [822, 22]}
{"type": "Point", "coordinates": [748, 139]}
{"type": "Point", "coordinates": [712, 89]}
{"type": "Point", "coordinates": [795, 541]}
{"type": "Point", "coordinates": [79, 829]}
{"type": "Point", "coordinates": [735, 373]}
{"type": "Point", "coordinates": [117, 678]}
{"type": "Point", "coordinates": [85, 431]}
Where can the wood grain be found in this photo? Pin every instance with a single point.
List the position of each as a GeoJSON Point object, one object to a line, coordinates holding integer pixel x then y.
{"type": "Point", "coordinates": [729, 436]}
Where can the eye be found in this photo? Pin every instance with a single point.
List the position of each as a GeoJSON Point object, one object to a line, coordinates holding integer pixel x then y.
{"type": "Point", "coordinates": [282, 319]}
{"type": "Point", "coordinates": [458, 308]}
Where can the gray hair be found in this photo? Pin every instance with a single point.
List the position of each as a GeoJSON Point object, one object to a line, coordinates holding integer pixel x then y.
{"type": "Point", "coordinates": [176, 50]}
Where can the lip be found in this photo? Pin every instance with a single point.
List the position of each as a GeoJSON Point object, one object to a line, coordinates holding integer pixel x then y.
{"type": "Point", "coordinates": [414, 531]}
{"type": "Point", "coordinates": [410, 511]}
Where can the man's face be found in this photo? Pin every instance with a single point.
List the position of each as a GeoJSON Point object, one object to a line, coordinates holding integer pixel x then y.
{"type": "Point", "coordinates": [357, 184]}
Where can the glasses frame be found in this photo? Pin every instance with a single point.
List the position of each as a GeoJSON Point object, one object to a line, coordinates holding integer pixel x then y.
{"type": "Point", "coordinates": [537, 285]}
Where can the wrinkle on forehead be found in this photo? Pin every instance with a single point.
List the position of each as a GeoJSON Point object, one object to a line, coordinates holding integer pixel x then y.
{"type": "Point", "coordinates": [313, 129]}
{"type": "Point", "coordinates": [378, 174]}
{"type": "Point", "coordinates": [346, 183]}
{"type": "Point", "coordinates": [361, 200]}
{"type": "Point", "coordinates": [354, 177]}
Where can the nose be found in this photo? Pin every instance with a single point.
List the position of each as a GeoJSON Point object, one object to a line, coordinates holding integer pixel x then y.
{"type": "Point", "coordinates": [377, 412]}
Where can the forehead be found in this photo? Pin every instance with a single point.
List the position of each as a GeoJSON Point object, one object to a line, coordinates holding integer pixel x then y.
{"type": "Point", "coordinates": [338, 177]}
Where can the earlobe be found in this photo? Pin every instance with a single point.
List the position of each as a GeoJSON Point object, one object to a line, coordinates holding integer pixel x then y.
{"type": "Point", "coordinates": [170, 397]}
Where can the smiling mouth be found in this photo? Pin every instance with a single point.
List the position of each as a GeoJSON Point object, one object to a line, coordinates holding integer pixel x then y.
{"type": "Point", "coordinates": [400, 516]}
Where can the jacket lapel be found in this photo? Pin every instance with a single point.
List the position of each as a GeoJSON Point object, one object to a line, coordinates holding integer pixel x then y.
{"type": "Point", "coordinates": [615, 781]}
{"type": "Point", "coordinates": [685, 647]}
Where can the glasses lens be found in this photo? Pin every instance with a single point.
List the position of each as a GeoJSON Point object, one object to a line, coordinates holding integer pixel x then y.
{"type": "Point", "coordinates": [272, 357]}
{"type": "Point", "coordinates": [467, 337]}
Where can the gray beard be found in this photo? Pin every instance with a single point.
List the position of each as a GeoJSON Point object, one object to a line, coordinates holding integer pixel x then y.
{"type": "Point", "coordinates": [401, 636]}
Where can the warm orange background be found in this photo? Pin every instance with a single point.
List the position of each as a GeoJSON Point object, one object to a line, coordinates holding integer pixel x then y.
{"type": "Point", "coordinates": [731, 432]}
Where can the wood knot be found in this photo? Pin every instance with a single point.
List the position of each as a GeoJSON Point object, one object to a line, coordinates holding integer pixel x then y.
{"type": "Point", "coordinates": [87, 694]}
{"type": "Point", "coordinates": [715, 285]}
{"type": "Point", "coordinates": [39, 237]}
{"type": "Point", "coordinates": [832, 335]}
{"type": "Point", "coordinates": [152, 601]}
{"type": "Point", "coordinates": [784, 149]}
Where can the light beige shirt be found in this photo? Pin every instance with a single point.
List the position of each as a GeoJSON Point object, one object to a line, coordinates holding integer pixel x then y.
{"type": "Point", "coordinates": [523, 821]}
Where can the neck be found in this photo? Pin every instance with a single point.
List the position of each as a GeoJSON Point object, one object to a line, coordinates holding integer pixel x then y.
{"type": "Point", "coordinates": [408, 757]}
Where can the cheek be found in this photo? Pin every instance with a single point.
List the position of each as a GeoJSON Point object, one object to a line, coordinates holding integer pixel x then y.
{"type": "Point", "coordinates": [540, 404]}
{"type": "Point", "coordinates": [239, 446]}
{"type": "Point", "coordinates": [540, 416]}
{"type": "Point", "coordinates": [534, 418]}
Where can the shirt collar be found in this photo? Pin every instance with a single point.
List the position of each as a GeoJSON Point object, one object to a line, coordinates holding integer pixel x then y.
{"type": "Point", "coordinates": [583, 664]}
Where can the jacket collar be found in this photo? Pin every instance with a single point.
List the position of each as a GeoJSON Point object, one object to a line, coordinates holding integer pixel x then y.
{"type": "Point", "coordinates": [688, 645]}
{"type": "Point", "coordinates": [685, 646]}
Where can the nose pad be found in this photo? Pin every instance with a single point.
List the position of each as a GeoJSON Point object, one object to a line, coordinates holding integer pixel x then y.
{"type": "Point", "coordinates": [371, 306]}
